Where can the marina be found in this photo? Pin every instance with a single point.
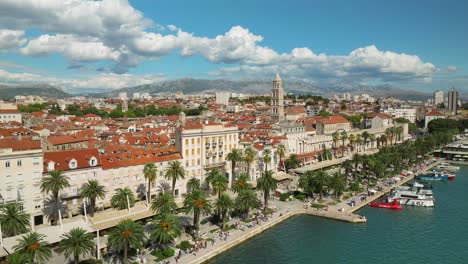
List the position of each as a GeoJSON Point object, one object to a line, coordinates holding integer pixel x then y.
{"type": "Point", "coordinates": [436, 229]}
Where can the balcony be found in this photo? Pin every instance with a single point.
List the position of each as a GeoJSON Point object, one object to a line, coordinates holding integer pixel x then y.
{"type": "Point", "coordinates": [220, 153]}
{"type": "Point", "coordinates": [220, 144]}
{"type": "Point", "coordinates": [214, 165]}
{"type": "Point", "coordinates": [207, 145]}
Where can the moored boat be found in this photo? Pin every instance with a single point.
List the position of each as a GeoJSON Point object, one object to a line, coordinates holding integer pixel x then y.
{"type": "Point", "coordinates": [446, 166]}
{"type": "Point", "coordinates": [435, 175]}
{"type": "Point", "coordinates": [392, 205]}
{"type": "Point", "coordinates": [415, 195]}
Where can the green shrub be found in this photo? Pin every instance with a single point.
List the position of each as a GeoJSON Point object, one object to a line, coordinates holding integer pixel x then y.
{"type": "Point", "coordinates": [204, 221]}
{"type": "Point", "coordinates": [168, 252]}
{"type": "Point", "coordinates": [301, 197]}
{"type": "Point", "coordinates": [184, 245]}
{"type": "Point", "coordinates": [284, 197]}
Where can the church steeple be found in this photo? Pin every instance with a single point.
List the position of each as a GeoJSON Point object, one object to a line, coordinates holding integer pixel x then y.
{"type": "Point", "coordinates": [277, 100]}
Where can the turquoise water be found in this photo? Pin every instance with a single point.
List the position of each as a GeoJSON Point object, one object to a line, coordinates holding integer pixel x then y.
{"type": "Point", "coordinates": [412, 235]}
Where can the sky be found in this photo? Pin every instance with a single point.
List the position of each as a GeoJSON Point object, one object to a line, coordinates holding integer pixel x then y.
{"type": "Point", "coordinates": [74, 44]}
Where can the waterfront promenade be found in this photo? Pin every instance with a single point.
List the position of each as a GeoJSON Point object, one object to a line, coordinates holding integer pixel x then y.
{"type": "Point", "coordinates": [286, 210]}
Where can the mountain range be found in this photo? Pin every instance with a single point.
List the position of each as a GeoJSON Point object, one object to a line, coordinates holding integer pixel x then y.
{"type": "Point", "coordinates": [202, 86]}
{"type": "Point", "coordinates": [43, 90]}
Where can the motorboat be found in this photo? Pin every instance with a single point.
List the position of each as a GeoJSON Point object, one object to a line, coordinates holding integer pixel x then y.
{"type": "Point", "coordinates": [412, 195]}
{"type": "Point", "coordinates": [435, 175]}
{"type": "Point", "coordinates": [388, 205]}
{"type": "Point", "coordinates": [447, 166]}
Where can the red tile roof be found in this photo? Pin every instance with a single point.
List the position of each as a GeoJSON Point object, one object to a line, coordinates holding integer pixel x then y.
{"type": "Point", "coordinates": [434, 113]}
{"type": "Point", "coordinates": [25, 143]}
{"type": "Point", "coordinates": [59, 140]}
{"type": "Point", "coordinates": [62, 158]}
{"type": "Point", "coordinates": [9, 111]}
{"type": "Point", "coordinates": [333, 120]}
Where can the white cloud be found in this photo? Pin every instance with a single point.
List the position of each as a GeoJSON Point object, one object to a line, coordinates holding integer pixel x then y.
{"type": "Point", "coordinates": [103, 80]}
{"type": "Point", "coordinates": [112, 30]}
{"type": "Point", "coordinates": [11, 39]}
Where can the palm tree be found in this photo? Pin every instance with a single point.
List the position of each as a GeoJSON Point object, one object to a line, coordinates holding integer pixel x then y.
{"type": "Point", "coordinates": [219, 184]}
{"type": "Point", "coordinates": [197, 203]}
{"type": "Point", "coordinates": [34, 247]}
{"type": "Point", "coordinates": [352, 139]}
{"type": "Point", "coordinates": [92, 190]}
{"type": "Point", "coordinates": [77, 242]}
{"type": "Point", "coordinates": [389, 134]}
{"type": "Point", "coordinates": [249, 157]}
{"type": "Point", "coordinates": [151, 173]}
{"type": "Point", "coordinates": [242, 183]}
{"type": "Point", "coordinates": [174, 172]}
{"type": "Point", "coordinates": [365, 138]}
{"type": "Point", "coordinates": [246, 200]}
{"type": "Point", "coordinates": [266, 183]}
{"type": "Point", "coordinates": [224, 204]}
{"type": "Point", "coordinates": [13, 220]}
{"type": "Point", "coordinates": [281, 151]}
{"type": "Point", "coordinates": [292, 162]}
{"type": "Point", "coordinates": [399, 133]}
{"type": "Point", "coordinates": [306, 183]}
{"type": "Point", "coordinates": [119, 200]}
{"type": "Point", "coordinates": [266, 158]}
{"type": "Point", "coordinates": [234, 157]}
{"type": "Point", "coordinates": [193, 184]}
{"type": "Point", "coordinates": [343, 138]}
{"type": "Point", "coordinates": [164, 204]}
{"type": "Point", "coordinates": [372, 140]}
{"type": "Point", "coordinates": [217, 181]}
{"type": "Point", "coordinates": [358, 141]}
{"type": "Point", "coordinates": [335, 138]}
{"type": "Point", "coordinates": [17, 258]}
{"type": "Point", "coordinates": [126, 235]}
{"type": "Point", "coordinates": [54, 183]}
{"type": "Point", "coordinates": [320, 182]}
{"type": "Point", "coordinates": [165, 228]}
{"type": "Point", "coordinates": [338, 184]}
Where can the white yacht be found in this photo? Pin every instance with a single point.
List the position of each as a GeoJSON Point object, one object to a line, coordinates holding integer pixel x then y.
{"type": "Point", "coordinates": [447, 166]}
{"type": "Point", "coordinates": [412, 195]}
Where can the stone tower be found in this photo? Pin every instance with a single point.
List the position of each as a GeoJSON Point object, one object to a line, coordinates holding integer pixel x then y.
{"type": "Point", "coordinates": [277, 100]}
{"type": "Point", "coordinates": [124, 105]}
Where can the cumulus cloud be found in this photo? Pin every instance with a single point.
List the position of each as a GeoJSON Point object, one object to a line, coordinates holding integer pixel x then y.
{"type": "Point", "coordinates": [102, 80]}
{"type": "Point", "coordinates": [112, 30]}
{"type": "Point", "coordinates": [11, 39]}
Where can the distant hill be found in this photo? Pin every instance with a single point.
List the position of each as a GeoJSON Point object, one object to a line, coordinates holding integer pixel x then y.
{"type": "Point", "coordinates": [263, 86]}
{"type": "Point", "coordinates": [44, 90]}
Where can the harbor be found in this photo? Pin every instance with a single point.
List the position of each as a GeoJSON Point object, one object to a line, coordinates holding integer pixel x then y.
{"type": "Point", "coordinates": [436, 228]}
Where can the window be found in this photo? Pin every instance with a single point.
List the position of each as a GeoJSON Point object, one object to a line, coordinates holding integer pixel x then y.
{"type": "Point", "coordinates": [92, 161]}
{"type": "Point", "coordinates": [19, 163]}
{"type": "Point", "coordinates": [94, 174]}
{"type": "Point", "coordinates": [186, 141]}
{"type": "Point", "coordinates": [198, 140]}
{"type": "Point", "coordinates": [36, 161]}
{"type": "Point", "coordinates": [7, 164]}
{"type": "Point", "coordinates": [193, 151]}
{"type": "Point", "coordinates": [72, 164]}
{"type": "Point", "coordinates": [193, 141]}
{"type": "Point", "coordinates": [136, 177]}
{"type": "Point", "coordinates": [186, 152]}
{"type": "Point", "coordinates": [186, 163]}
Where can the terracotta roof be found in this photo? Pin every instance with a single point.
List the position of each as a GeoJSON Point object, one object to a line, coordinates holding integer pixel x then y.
{"type": "Point", "coordinates": [91, 115]}
{"type": "Point", "coordinates": [9, 111]}
{"type": "Point", "coordinates": [25, 143]}
{"type": "Point", "coordinates": [434, 113]}
{"type": "Point", "coordinates": [381, 115]}
{"type": "Point", "coordinates": [111, 161]}
{"type": "Point", "coordinates": [333, 120]}
{"type": "Point", "coordinates": [59, 140]}
{"type": "Point", "coordinates": [63, 158]}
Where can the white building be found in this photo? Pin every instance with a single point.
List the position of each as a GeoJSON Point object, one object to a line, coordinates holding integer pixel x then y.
{"type": "Point", "coordinates": [223, 98]}
{"type": "Point", "coordinates": [205, 146]}
{"type": "Point", "coordinates": [407, 113]}
{"type": "Point", "coordinates": [432, 116]}
{"type": "Point", "coordinates": [438, 97]}
{"type": "Point", "coordinates": [20, 175]}
{"type": "Point", "coordinates": [123, 96]}
{"type": "Point", "coordinates": [9, 112]}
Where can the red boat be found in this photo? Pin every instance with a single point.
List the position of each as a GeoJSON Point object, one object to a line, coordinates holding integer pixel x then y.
{"type": "Point", "coordinates": [451, 176]}
{"type": "Point", "coordinates": [392, 205]}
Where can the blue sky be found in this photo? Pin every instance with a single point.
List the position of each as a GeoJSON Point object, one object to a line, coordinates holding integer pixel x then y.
{"type": "Point", "coordinates": [112, 44]}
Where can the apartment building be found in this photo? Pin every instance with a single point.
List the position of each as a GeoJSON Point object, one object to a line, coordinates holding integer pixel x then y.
{"type": "Point", "coordinates": [328, 125]}
{"type": "Point", "coordinates": [205, 146]}
{"type": "Point", "coordinates": [20, 175]}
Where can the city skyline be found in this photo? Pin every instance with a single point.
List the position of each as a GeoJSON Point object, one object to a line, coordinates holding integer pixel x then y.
{"type": "Point", "coordinates": [115, 44]}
